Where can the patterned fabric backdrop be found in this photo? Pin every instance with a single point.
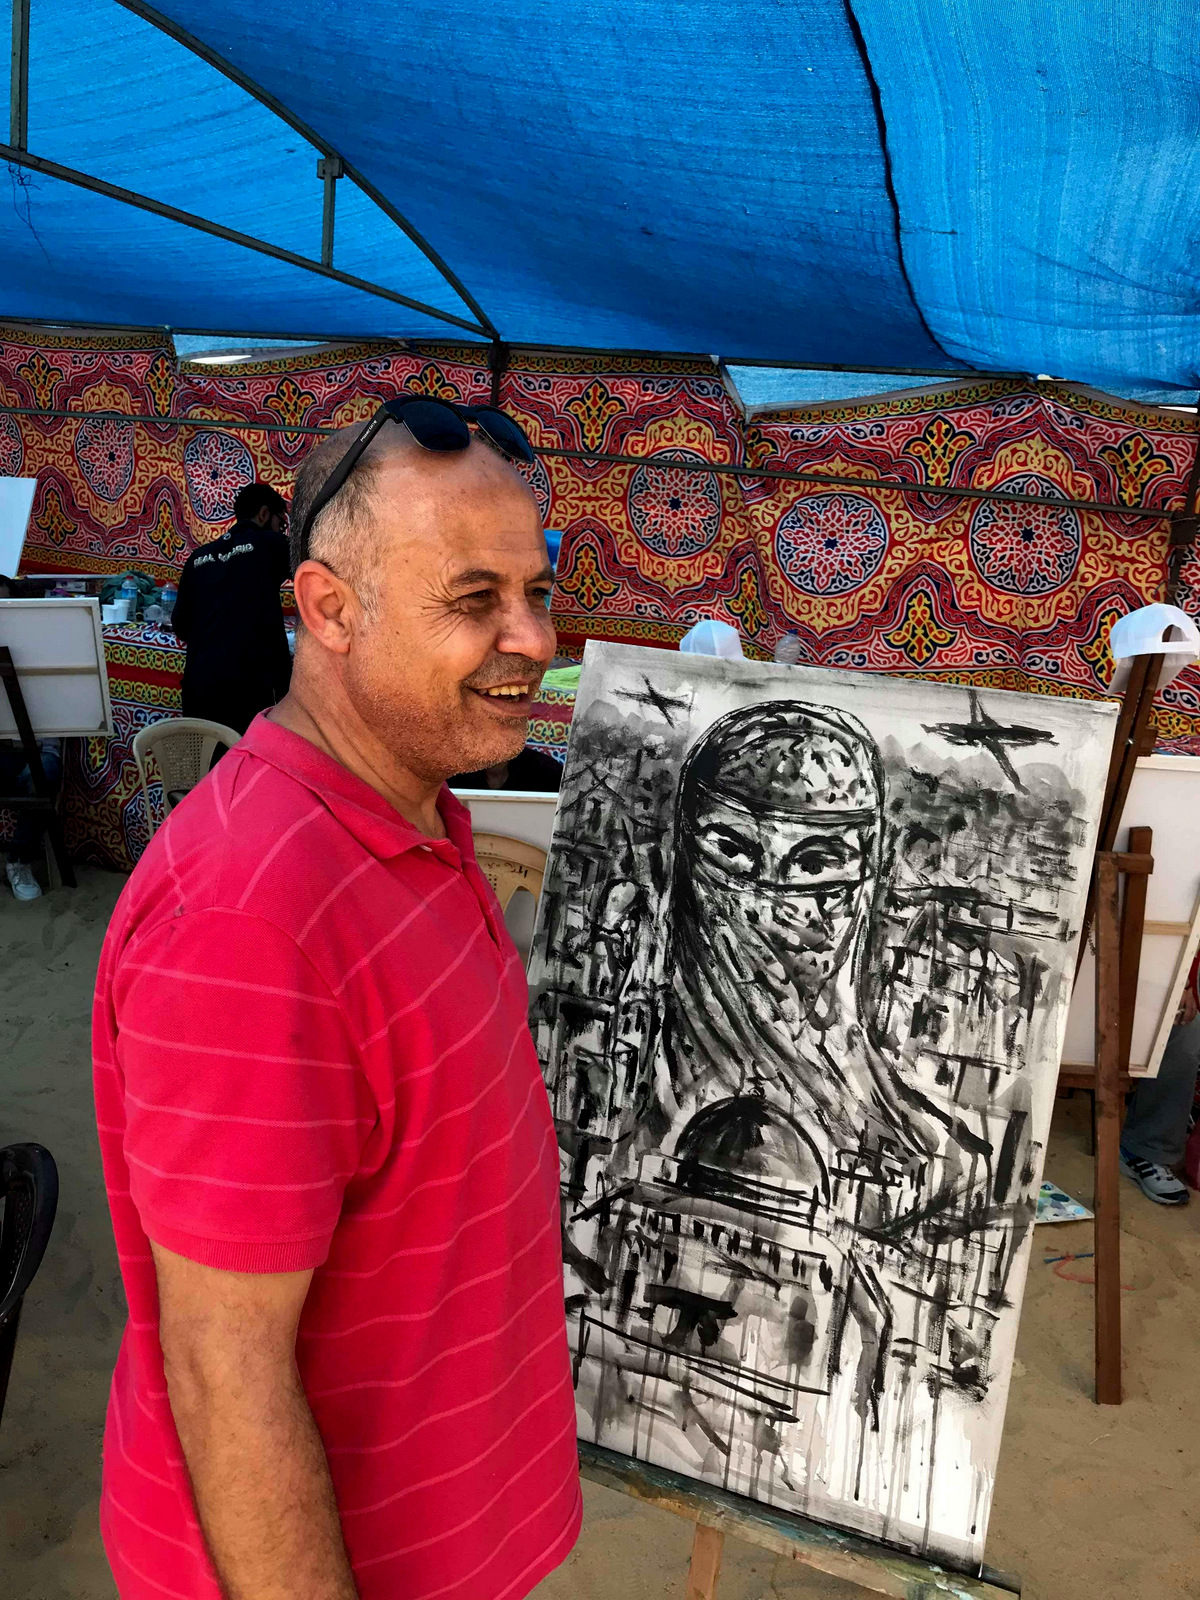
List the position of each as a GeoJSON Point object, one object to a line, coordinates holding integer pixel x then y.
{"type": "Point", "coordinates": [104, 811]}
{"type": "Point", "coordinates": [1012, 595]}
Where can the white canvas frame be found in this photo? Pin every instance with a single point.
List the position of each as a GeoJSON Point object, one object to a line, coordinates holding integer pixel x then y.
{"type": "Point", "coordinates": [1166, 1020]}
{"type": "Point", "coordinates": [1164, 796]}
{"type": "Point", "coordinates": [57, 647]}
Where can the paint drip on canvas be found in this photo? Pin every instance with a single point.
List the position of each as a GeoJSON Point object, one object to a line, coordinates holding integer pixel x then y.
{"type": "Point", "coordinates": [799, 985]}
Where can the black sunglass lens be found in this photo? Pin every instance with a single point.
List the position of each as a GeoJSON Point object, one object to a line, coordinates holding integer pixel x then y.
{"type": "Point", "coordinates": [504, 433]}
{"type": "Point", "coordinates": [435, 426]}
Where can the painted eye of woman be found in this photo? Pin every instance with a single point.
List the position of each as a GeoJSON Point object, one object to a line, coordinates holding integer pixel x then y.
{"type": "Point", "coordinates": [813, 857]}
{"type": "Point", "coordinates": [730, 850]}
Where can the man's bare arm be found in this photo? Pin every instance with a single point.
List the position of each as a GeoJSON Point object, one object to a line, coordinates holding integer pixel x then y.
{"type": "Point", "coordinates": [257, 1464]}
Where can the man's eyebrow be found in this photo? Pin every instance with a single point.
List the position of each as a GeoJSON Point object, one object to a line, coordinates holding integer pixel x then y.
{"type": "Point", "coordinates": [474, 577]}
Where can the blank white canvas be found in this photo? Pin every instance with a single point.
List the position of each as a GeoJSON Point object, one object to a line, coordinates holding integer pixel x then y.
{"type": "Point", "coordinates": [58, 649]}
{"type": "Point", "coordinates": [16, 502]}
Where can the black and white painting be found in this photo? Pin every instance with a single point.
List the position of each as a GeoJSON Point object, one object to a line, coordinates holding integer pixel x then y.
{"type": "Point", "coordinates": [799, 985]}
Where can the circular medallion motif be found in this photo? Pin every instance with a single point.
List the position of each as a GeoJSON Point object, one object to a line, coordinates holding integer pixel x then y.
{"type": "Point", "coordinates": [675, 511]}
{"type": "Point", "coordinates": [216, 466]}
{"type": "Point", "coordinates": [829, 544]}
{"type": "Point", "coordinates": [12, 447]}
{"type": "Point", "coordinates": [104, 452]}
{"type": "Point", "coordinates": [1024, 549]}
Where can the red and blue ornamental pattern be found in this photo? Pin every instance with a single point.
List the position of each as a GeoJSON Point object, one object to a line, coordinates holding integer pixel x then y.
{"type": "Point", "coordinates": [987, 592]}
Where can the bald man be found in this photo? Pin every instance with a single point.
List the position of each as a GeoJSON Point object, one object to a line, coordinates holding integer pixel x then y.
{"type": "Point", "coordinates": [328, 1150]}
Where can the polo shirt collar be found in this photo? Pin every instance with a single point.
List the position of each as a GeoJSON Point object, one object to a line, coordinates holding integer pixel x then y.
{"type": "Point", "coordinates": [361, 810]}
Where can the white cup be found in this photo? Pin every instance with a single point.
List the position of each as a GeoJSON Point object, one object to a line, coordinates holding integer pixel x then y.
{"type": "Point", "coordinates": [111, 614]}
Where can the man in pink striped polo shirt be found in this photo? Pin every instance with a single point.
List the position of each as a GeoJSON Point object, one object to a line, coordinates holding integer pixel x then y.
{"type": "Point", "coordinates": [328, 1150]}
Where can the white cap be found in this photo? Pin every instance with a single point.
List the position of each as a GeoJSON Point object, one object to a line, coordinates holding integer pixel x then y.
{"type": "Point", "coordinates": [1156, 630]}
{"type": "Point", "coordinates": [712, 638]}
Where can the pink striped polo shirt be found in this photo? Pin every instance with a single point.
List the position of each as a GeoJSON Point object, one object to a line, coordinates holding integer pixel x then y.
{"type": "Point", "coordinates": [311, 1050]}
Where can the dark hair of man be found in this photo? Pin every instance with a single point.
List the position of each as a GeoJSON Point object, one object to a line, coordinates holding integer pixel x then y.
{"type": "Point", "coordinates": [254, 497]}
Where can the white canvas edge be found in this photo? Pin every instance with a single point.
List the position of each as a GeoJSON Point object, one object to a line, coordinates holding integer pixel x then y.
{"type": "Point", "coordinates": [1166, 1019]}
{"type": "Point", "coordinates": [98, 668]}
{"type": "Point", "coordinates": [1105, 710]}
{"type": "Point", "coordinates": [1165, 763]}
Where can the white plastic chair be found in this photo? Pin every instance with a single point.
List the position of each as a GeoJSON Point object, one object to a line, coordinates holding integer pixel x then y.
{"type": "Point", "coordinates": [183, 749]}
{"type": "Point", "coordinates": [512, 866]}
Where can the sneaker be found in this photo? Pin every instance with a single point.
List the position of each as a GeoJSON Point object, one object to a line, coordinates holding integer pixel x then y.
{"type": "Point", "coordinates": [1157, 1183]}
{"type": "Point", "coordinates": [24, 885]}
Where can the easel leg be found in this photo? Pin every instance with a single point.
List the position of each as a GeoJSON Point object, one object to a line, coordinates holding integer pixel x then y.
{"type": "Point", "coordinates": [1108, 1136]}
{"type": "Point", "coordinates": [58, 846]}
{"type": "Point", "coordinates": [47, 811]}
{"type": "Point", "coordinates": [707, 1548]}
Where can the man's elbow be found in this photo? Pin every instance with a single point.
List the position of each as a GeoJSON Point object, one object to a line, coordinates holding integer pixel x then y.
{"type": "Point", "coordinates": [208, 1376]}
{"type": "Point", "coordinates": [195, 1374]}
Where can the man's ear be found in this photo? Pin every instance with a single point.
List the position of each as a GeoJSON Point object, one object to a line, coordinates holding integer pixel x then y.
{"type": "Point", "coordinates": [261, 517]}
{"type": "Point", "coordinates": [328, 607]}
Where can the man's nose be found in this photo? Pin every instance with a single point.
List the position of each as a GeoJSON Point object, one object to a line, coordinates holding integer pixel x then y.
{"type": "Point", "coordinates": [526, 630]}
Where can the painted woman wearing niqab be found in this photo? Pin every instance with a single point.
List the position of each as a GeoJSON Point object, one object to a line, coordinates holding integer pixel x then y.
{"type": "Point", "coordinates": [778, 855]}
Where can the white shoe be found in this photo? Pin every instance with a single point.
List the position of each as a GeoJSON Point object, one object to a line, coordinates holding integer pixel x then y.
{"type": "Point", "coordinates": [24, 885]}
{"type": "Point", "coordinates": [1157, 1183]}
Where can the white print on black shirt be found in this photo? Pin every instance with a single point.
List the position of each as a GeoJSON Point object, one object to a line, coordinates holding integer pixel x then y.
{"type": "Point", "coordinates": [222, 555]}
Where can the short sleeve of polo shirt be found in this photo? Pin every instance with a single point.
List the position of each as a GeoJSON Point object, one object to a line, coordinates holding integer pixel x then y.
{"type": "Point", "coordinates": [246, 1107]}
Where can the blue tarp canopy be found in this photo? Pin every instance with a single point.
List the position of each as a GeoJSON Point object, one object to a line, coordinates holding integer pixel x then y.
{"type": "Point", "coordinates": [926, 184]}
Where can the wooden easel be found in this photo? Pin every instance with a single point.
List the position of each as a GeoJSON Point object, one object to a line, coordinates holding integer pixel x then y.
{"type": "Point", "coordinates": [716, 1512]}
{"type": "Point", "coordinates": [1120, 924]}
{"type": "Point", "coordinates": [41, 801]}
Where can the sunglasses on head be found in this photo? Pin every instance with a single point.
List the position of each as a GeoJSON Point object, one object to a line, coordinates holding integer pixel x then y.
{"type": "Point", "coordinates": [435, 425]}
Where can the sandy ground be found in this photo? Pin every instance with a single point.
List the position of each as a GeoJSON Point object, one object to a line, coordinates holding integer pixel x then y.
{"type": "Point", "coordinates": [1090, 1503]}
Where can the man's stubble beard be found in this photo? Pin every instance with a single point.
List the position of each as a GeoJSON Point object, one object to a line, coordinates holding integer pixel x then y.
{"type": "Point", "coordinates": [433, 743]}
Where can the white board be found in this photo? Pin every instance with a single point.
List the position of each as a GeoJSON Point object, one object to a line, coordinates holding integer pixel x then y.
{"type": "Point", "coordinates": [16, 502]}
{"type": "Point", "coordinates": [58, 650]}
{"type": "Point", "coordinates": [1164, 796]}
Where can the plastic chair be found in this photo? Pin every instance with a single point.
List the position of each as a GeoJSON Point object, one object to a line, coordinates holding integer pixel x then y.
{"type": "Point", "coordinates": [509, 865]}
{"type": "Point", "coordinates": [29, 1187]}
{"type": "Point", "coordinates": [183, 749]}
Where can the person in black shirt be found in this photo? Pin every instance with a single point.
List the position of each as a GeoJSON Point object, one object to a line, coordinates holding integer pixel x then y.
{"type": "Point", "coordinates": [230, 616]}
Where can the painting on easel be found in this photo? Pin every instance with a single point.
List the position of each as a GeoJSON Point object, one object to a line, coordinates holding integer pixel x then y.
{"type": "Point", "coordinates": [799, 985]}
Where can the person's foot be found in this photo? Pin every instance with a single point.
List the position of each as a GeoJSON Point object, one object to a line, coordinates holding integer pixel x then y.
{"type": "Point", "coordinates": [24, 885]}
{"type": "Point", "coordinates": [1157, 1183]}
